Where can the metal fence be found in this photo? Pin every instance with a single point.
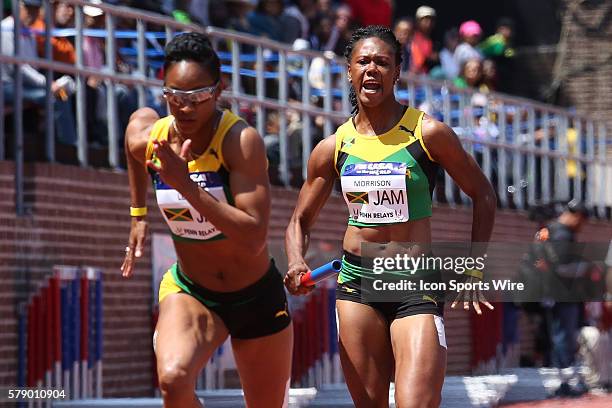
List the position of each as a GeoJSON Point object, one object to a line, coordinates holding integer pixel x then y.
{"type": "Point", "coordinates": [531, 152]}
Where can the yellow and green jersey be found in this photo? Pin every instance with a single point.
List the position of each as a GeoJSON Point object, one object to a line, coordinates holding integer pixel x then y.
{"type": "Point", "coordinates": [208, 170]}
{"type": "Point", "coordinates": [389, 178]}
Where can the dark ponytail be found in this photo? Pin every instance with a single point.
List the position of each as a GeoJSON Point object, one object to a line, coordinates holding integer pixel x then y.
{"type": "Point", "coordinates": [353, 99]}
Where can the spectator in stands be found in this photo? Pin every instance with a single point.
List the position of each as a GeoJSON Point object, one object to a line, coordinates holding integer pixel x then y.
{"type": "Point", "coordinates": [238, 10]}
{"type": "Point", "coordinates": [94, 56]}
{"type": "Point", "coordinates": [575, 169]}
{"type": "Point", "coordinates": [34, 84]}
{"type": "Point", "coordinates": [321, 35]}
{"type": "Point", "coordinates": [304, 11]}
{"type": "Point", "coordinates": [219, 12]}
{"type": "Point", "coordinates": [166, 5]}
{"type": "Point", "coordinates": [198, 9]}
{"type": "Point", "coordinates": [498, 48]}
{"type": "Point", "coordinates": [343, 29]}
{"type": "Point", "coordinates": [372, 12]}
{"type": "Point", "coordinates": [404, 31]}
{"type": "Point", "coordinates": [333, 35]}
{"type": "Point", "coordinates": [93, 46]}
{"type": "Point", "coordinates": [499, 44]}
{"type": "Point", "coordinates": [62, 47]}
{"type": "Point", "coordinates": [470, 75]}
{"type": "Point", "coordinates": [272, 143]}
{"type": "Point", "coordinates": [423, 55]}
{"type": "Point", "coordinates": [470, 33]}
{"type": "Point", "coordinates": [482, 127]}
{"type": "Point", "coordinates": [323, 9]}
{"type": "Point", "coordinates": [448, 69]}
{"type": "Point", "coordinates": [489, 74]}
{"type": "Point", "coordinates": [270, 20]}
{"type": "Point", "coordinates": [294, 147]}
{"type": "Point", "coordinates": [181, 11]}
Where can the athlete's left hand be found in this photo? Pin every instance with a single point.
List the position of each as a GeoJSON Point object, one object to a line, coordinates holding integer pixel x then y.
{"type": "Point", "coordinates": [473, 296]}
{"type": "Point", "coordinates": [171, 167]}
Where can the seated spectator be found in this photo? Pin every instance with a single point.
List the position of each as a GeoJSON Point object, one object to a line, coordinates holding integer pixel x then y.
{"type": "Point", "coordinates": [499, 49]}
{"type": "Point", "coordinates": [239, 11]}
{"type": "Point", "coordinates": [34, 86]}
{"type": "Point", "coordinates": [499, 44]}
{"type": "Point", "coordinates": [448, 68]}
{"type": "Point", "coordinates": [423, 56]}
{"type": "Point", "coordinates": [219, 13]}
{"type": "Point", "coordinates": [198, 10]}
{"type": "Point", "coordinates": [321, 35]}
{"type": "Point", "coordinates": [471, 76]}
{"type": "Point", "coordinates": [270, 20]}
{"type": "Point", "coordinates": [62, 47]}
{"type": "Point", "coordinates": [404, 31]}
{"type": "Point", "coordinates": [483, 127]}
{"type": "Point", "coordinates": [93, 47]}
{"type": "Point", "coordinates": [323, 9]}
{"type": "Point", "coordinates": [334, 35]}
{"type": "Point", "coordinates": [303, 11]}
{"type": "Point", "coordinates": [470, 33]}
{"type": "Point", "coordinates": [271, 141]}
{"type": "Point", "coordinates": [573, 168]}
{"type": "Point", "coordinates": [343, 30]}
{"type": "Point", "coordinates": [94, 57]}
{"type": "Point", "coordinates": [489, 74]}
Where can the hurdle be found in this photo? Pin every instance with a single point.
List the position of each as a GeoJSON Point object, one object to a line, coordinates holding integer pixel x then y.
{"type": "Point", "coordinates": [316, 360]}
{"type": "Point", "coordinates": [60, 334]}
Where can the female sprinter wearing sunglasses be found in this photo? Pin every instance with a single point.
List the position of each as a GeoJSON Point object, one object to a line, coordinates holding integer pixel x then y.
{"type": "Point", "coordinates": [209, 175]}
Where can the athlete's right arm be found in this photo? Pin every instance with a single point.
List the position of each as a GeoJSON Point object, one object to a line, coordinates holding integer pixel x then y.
{"type": "Point", "coordinates": [313, 195]}
{"type": "Point", "coordinates": [136, 137]}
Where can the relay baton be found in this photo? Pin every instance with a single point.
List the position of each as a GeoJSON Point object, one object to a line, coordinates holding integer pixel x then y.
{"type": "Point", "coordinates": [322, 272]}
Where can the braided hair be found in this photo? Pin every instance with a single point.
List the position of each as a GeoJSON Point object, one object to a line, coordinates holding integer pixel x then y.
{"type": "Point", "coordinates": [194, 47]}
{"type": "Point", "coordinates": [383, 33]}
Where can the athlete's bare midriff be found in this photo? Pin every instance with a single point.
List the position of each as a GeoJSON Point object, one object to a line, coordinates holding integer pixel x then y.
{"type": "Point", "coordinates": [221, 266]}
{"type": "Point", "coordinates": [416, 232]}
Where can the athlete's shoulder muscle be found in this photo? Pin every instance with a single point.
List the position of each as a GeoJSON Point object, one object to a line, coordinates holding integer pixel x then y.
{"type": "Point", "coordinates": [439, 139]}
{"type": "Point", "coordinates": [137, 132]}
{"type": "Point", "coordinates": [321, 161]}
{"type": "Point", "coordinates": [242, 145]}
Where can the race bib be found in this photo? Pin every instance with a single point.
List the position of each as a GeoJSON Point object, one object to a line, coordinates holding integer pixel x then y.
{"type": "Point", "coordinates": [183, 220]}
{"type": "Point", "coordinates": [376, 192]}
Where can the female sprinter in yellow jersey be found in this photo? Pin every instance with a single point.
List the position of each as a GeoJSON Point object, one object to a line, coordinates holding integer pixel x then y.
{"type": "Point", "coordinates": [209, 174]}
{"type": "Point", "coordinates": [387, 153]}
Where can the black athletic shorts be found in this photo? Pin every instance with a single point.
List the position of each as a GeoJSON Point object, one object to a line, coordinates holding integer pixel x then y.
{"type": "Point", "coordinates": [413, 303]}
{"type": "Point", "coordinates": [258, 310]}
